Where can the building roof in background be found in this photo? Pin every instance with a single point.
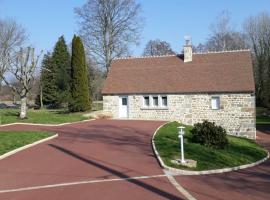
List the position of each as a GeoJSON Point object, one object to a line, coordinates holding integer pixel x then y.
{"type": "Point", "coordinates": [228, 71]}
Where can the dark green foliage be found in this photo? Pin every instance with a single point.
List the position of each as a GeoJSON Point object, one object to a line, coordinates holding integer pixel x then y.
{"type": "Point", "coordinates": [209, 134]}
{"type": "Point", "coordinates": [61, 64]}
{"type": "Point", "coordinates": [80, 100]}
{"type": "Point", "coordinates": [48, 81]}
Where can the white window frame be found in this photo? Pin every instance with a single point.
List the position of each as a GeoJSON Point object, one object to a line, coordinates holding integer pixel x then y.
{"type": "Point", "coordinates": [152, 97]}
{"type": "Point", "coordinates": [161, 101]}
{"type": "Point", "coordinates": [215, 99]}
{"type": "Point", "coordinates": [144, 105]}
{"type": "Point", "coordinates": [151, 101]}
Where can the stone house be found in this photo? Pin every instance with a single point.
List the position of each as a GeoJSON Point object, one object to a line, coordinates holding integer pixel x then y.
{"type": "Point", "coordinates": [189, 87]}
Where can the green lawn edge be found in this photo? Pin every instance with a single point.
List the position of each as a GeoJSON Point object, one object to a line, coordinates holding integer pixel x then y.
{"type": "Point", "coordinates": [42, 116]}
{"type": "Point", "coordinates": [11, 140]}
{"type": "Point", "coordinates": [241, 151]}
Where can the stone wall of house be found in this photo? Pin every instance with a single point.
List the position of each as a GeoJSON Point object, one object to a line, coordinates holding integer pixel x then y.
{"type": "Point", "coordinates": [236, 113]}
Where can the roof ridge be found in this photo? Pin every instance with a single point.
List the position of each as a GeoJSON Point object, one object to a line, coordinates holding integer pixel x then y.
{"type": "Point", "coordinates": [225, 51]}
{"type": "Point", "coordinates": [134, 57]}
{"type": "Point", "coordinates": [171, 55]}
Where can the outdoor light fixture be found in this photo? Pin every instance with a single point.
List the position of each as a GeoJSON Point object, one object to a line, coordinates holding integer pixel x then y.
{"type": "Point", "coordinates": [181, 132]}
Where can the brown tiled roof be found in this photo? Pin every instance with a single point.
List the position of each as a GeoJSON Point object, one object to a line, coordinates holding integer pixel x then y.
{"type": "Point", "coordinates": [209, 72]}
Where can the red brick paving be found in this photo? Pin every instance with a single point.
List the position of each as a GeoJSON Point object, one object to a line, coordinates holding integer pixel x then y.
{"type": "Point", "coordinates": [100, 149]}
{"type": "Point", "coordinates": [248, 184]}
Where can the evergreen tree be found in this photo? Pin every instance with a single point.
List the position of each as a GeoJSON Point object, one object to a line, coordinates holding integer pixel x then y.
{"type": "Point", "coordinates": [61, 62]}
{"type": "Point", "coordinates": [80, 100]}
{"type": "Point", "coordinates": [48, 85]}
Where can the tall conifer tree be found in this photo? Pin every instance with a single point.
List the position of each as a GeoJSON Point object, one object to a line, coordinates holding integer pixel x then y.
{"type": "Point", "coordinates": [80, 99]}
{"type": "Point", "coordinates": [48, 84]}
{"type": "Point", "coordinates": [61, 63]}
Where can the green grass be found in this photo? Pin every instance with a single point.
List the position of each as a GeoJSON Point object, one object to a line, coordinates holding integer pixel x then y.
{"type": "Point", "coordinates": [40, 116]}
{"type": "Point", "coordinates": [239, 152]}
{"type": "Point", "coordinates": [10, 140]}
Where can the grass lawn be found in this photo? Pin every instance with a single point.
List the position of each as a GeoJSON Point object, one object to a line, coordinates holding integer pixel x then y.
{"type": "Point", "coordinates": [239, 152]}
{"type": "Point", "coordinates": [40, 116]}
{"type": "Point", "coordinates": [10, 140]}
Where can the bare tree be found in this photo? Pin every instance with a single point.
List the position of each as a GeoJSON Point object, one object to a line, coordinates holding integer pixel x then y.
{"type": "Point", "coordinates": [12, 36]}
{"type": "Point", "coordinates": [223, 36]}
{"type": "Point", "coordinates": [258, 30]}
{"type": "Point", "coordinates": [200, 48]}
{"type": "Point", "coordinates": [157, 48]}
{"type": "Point", "coordinates": [23, 70]}
{"type": "Point", "coordinates": [108, 27]}
{"type": "Point", "coordinates": [96, 80]}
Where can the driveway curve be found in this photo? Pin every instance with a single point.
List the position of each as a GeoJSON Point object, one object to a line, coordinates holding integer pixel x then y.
{"type": "Point", "coordinates": [71, 166]}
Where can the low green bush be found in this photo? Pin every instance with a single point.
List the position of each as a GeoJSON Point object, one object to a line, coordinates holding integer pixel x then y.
{"type": "Point", "coordinates": [210, 135]}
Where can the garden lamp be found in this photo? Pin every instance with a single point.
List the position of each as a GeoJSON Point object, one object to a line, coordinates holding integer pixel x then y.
{"type": "Point", "coordinates": [181, 132]}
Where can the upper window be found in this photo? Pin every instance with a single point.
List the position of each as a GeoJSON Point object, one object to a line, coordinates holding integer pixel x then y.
{"type": "Point", "coordinates": [155, 101]}
{"type": "Point", "coordinates": [146, 101]}
{"type": "Point", "coordinates": [215, 103]}
{"type": "Point", "coordinates": [164, 101]}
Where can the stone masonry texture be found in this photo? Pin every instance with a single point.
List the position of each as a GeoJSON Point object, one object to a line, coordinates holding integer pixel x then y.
{"type": "Point", "coordinates": [236, 113]}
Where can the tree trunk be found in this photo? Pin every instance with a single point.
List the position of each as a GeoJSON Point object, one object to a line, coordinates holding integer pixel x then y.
{"type": "Point", "coordinates": [41, 97]}
{"type": "Point", "coordinates": [23, 107]}
{"type": "Point", "coordinates": [0, 84]}
{"type": "Point", "coordinates": [14, 97]}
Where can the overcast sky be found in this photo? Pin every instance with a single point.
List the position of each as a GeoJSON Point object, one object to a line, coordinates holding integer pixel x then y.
{"type": "Point", "coordinates": [170, 20]}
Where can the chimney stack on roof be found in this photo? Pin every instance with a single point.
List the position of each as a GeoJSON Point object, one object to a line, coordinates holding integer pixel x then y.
{"type": "Point", "coordinates": [187, 49]}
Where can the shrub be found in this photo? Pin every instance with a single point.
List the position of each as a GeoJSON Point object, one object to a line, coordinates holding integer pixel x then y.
{"type": "Point", "coordinates": [209, 134]}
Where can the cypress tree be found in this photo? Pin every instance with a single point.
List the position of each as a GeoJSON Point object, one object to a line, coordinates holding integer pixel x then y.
{"type": "Point", "coordinates": [61, 62]}
{"type": "Point", "coordinates": [80, 99]}
{"type": "Point", "coordinates": [48, 81]}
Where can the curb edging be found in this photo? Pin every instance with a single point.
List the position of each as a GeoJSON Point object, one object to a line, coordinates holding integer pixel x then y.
{"type": "Point", "coordinates": [204, 172]}
{"type": "Point", "coordinates": [50, 125]}
{"type": "Point", "coordinates": [10, 153]}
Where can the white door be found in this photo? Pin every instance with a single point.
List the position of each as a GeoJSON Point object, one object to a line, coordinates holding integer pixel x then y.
{"type": "Point", "coordinates": [123, 107]}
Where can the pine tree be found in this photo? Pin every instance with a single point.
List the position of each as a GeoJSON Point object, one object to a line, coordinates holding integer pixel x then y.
{"type": "Point", "coordinates": [80, 100]}
{"type": "Point", "coordinates": [48, 80]}
{"type": "Point", "coordinates": [61, 62]}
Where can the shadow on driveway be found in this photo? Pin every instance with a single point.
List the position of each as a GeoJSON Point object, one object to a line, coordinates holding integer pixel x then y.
{"type": "Point", "coordinates": [117, 173]}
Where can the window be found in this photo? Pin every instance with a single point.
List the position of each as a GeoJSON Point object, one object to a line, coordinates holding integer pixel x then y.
{"type": "Point", "coordinates": [215, 103]}
{"type": "Point", "coordinates": [124, 101]}
{"type": "Point", "coordinates": [155, 101]}
{"type": "Point", "coordinates": [146, 101]}
{"type": "Point", "coordinates": [164, 101]}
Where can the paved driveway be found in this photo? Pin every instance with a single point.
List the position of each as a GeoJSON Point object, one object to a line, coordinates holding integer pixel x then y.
{"type": "Point", "coordinates": [113, 159]}
{"type": "Point", "coordinates": [84, 154]}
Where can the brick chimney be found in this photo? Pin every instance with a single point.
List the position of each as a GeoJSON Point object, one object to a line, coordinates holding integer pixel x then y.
{"type": "Point", "coordinates": [187, 49]}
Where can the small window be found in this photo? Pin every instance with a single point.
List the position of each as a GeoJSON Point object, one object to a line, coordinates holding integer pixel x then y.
{"type": "Point", "coordinates": [124, 101]}
{"type": "Point", "coordinates": [215, 103]}
{"type": "Point", "coordinates": [155, 101]}
{"type": "Point", "coordinates": [164, 101]}
{"type": "Point", "coordinates": [146, 101]}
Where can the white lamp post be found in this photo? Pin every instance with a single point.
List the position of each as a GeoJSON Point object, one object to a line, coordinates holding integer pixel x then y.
{"type": "Point", "coordinates": [181, 132]}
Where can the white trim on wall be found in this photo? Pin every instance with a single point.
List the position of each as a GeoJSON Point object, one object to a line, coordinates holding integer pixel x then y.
{"type": "Point", "coordinates": [151, 102]}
